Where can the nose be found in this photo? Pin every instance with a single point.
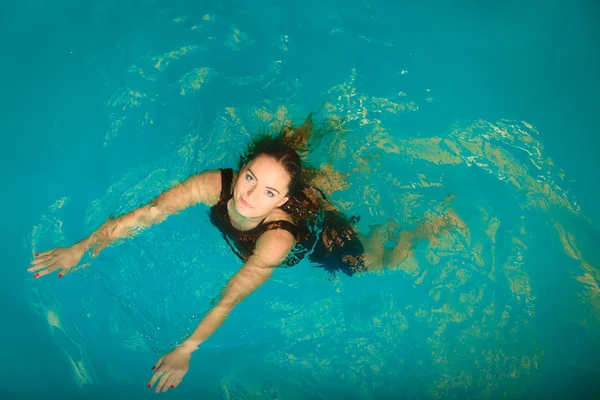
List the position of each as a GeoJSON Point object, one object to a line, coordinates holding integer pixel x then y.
{"type": "Point", "coordinates": [250, 195]}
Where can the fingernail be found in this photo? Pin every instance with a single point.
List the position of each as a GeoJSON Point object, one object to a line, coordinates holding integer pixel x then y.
{"type": "Point", "coordinates": [172, 387]}
{"type": "Point", "coordinates": [36, 275]}
{"type": "Point", "coordinates": [149, 385]}
{"type": "Point", "coordinates": [60, 275]}
{"type": "Point", "coordinates": [153, 368]}
{"type": "Point", "coordinates": [36, 254]}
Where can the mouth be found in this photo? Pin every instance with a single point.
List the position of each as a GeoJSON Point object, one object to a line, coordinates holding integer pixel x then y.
{"type": "Point", "coordinates": [245, 203]}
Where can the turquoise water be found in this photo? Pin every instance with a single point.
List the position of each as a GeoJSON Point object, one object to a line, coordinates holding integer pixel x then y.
{"type": "Point", "coordinates": [106, 104]}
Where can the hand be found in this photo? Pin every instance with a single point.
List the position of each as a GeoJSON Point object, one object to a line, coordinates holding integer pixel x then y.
{"type": "Point", "coordinates": [61, 258]}
{"type": "Point", "coordinates": [173, 366]}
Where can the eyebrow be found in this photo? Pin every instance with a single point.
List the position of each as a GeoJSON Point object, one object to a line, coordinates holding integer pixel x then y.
{"type": "Point", "coordinates": [254, 175]}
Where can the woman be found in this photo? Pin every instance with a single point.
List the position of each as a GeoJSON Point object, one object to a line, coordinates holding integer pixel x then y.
{"type": "Point", "coordinates": [267, 212]}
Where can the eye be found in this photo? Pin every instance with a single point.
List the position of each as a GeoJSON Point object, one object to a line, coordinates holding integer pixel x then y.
{"type": "Point", "coordinates": [249, 178]}
{"type": "Point", "coordinates": [270, 194]}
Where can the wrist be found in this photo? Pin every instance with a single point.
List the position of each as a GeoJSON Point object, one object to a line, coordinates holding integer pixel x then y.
{"type": "Point", "coordinates": [189, 346]}
{"type": "Point", "coordinates": [81, 246]}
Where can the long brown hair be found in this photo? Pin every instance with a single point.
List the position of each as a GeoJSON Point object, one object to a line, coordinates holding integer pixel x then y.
{"type": "Point", "coordinates": [280, 152]}
{"type": "Point", "coordinates": [314, 215]}
{"type": "Point", "coordinates": [288, 147]}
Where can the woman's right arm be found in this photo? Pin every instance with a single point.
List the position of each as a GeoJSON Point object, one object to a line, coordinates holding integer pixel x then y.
{"type": "Point", "coordinates": [204, 188]}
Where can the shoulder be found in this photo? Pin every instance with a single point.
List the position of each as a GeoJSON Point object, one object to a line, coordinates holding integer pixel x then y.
{"type": "Point", "coordinates": [206, 186]}
{"type": "Point", "coordinates": [278, 215]}
{"type": "Point", "coordinates": [273, 246]}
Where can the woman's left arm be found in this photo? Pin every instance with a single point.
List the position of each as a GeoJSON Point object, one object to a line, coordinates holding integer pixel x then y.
{"type": "Point", "coordinates": [271, 250]}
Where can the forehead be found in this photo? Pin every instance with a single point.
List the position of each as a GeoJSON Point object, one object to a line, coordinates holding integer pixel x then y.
{"type": "Point", "coordinates": [269, 172]}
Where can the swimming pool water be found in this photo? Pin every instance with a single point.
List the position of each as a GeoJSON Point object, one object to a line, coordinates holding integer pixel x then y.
{"type": "Point", "coordinates": [107, 104]}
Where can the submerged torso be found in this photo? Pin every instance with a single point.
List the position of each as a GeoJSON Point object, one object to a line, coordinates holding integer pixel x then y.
{"type": "Point", "coordinates": [332, 243]}
{"type": "Point", "coordinates": [241, 239]}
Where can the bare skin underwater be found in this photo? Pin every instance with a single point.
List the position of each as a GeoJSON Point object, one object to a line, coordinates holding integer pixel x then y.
{"type": "Point", "coordinates": [259, 191]}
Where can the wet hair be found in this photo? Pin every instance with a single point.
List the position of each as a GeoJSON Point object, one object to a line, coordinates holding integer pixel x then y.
{"type": "Point", "coordinates": [280, 152]}
{"type": "Point", "coordinates": [318, 221]}
{"type": "Point", "coordinates": [289, 147]}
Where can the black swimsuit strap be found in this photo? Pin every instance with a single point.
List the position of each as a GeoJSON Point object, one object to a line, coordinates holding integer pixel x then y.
{"type": "Point", "coordinates": [226, 181]}
{"type": "Point", "coordinates": [282, 224]}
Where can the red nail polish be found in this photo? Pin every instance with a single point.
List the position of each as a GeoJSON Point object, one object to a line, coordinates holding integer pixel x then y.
{"type": "Point", "coordinates": [36, 275]}
{"type": "Point", "coordinates": [172, 387]}
{"type": "Point", "coordinates": [60, 275]}
{"type": "Point", "coordinates": [153, 368]}
{"type": "Point", "coordinates": [36, 254]}
{"type": "Point", "coordinates": [149, 385]}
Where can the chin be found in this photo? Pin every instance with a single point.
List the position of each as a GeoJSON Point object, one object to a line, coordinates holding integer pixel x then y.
{"type": "Point", "coordinates": [243, 211]}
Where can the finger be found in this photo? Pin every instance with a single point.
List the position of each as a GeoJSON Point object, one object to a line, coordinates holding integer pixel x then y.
{"type": "Point", "coordinates": [42, 260]}
{"type": "Point", "coordinates": [170, 383]}
{"type": "Point", "coordinates": [158, 363]}
{"type": "Point", "coordinates": [155, 377]}
{"type": "Point", "coordinates": [37, 267]}
{"type": "Point", "coordinates": [157, 374]}
{"type": "Point", "coordinates": [46, 271]}
{"type": "Point", "coordinates": [176, 382]}
{"type": "Point", "coordinates": [44, 253]}
{"type": "Point", "coordinates": [162, 384]}
{"type": "Point", "coordinates": [46, 264]}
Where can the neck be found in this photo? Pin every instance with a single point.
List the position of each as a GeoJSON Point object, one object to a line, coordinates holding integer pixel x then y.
{"type": "Point", "coordinates": [239, 221]}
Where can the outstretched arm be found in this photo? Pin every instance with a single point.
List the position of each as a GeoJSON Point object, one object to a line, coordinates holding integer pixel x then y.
{"type": "Point", "coordinates": [271, 250]}
{"type": "Point", "coordinates": [199, 188]}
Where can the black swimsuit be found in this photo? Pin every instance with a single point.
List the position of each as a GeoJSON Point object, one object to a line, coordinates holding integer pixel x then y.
{"type": "Point", "coordinates": [343, 253]}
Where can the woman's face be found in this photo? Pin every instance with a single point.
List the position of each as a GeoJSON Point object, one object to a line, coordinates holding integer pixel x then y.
{"type": "Point", "coordinates": [261, 187]}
